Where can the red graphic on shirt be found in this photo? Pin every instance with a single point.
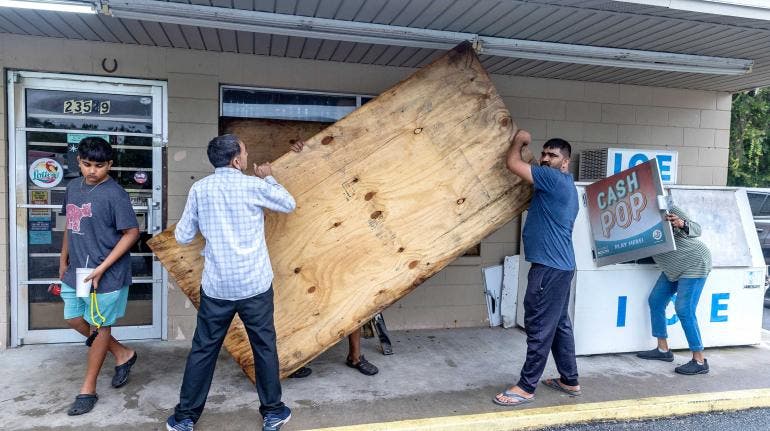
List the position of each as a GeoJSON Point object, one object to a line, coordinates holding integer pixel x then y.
{"type": "Point", "coordinates": [75, 214]}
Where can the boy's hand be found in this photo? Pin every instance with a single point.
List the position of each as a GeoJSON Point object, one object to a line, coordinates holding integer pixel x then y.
{"type": "Point", "coordinates": [263, 170]}
{"type": "Point", "coordinates": [95, 276]}
{"type": "Point", "coordinates": [298, 146]}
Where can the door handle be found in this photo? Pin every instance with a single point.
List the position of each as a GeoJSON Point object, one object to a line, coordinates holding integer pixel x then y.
{"type": "Point", "coordinates": [152, 207]}
{"type": "Point", "coordinates": [35, 206]}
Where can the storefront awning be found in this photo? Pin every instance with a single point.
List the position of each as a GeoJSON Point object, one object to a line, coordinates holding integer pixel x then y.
{"type": "Point", "coordinates": [702, 44]}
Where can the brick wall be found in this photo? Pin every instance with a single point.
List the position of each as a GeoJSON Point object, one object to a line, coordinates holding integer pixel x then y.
{"type": "Point", "coordinates": [594, 115]}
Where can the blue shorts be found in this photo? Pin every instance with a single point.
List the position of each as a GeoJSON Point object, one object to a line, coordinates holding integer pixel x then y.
{"type": "Point", "coordinates": [112, 305]}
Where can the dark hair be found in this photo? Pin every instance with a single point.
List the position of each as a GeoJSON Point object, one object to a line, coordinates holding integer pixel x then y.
{"type": "Point", "coordinates": [561, 145]}
{"type": "Point", "coordinates": [222, 149]}
{"type": "Point", "coordinates": [94, 149]}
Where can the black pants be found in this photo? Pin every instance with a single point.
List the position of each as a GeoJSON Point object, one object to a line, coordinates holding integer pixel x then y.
{"type": "Point", "coordinates": [214, 318]}
{"type": "Point", "coordinates": [547, 324]}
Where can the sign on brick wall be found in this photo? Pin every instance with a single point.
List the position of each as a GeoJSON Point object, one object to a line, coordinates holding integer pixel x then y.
{"type": "Point", "coordinates": [619, 159]}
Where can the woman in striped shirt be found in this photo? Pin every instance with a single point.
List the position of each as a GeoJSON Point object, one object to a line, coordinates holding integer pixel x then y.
{"type": "Point", "coordinates": [683, 276]}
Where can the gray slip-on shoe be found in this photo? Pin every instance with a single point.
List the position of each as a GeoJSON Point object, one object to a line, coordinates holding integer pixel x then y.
{"type": "Point", "coordinates": [656, 355]}
{"type": "Point", "coordinates": [692, 368]}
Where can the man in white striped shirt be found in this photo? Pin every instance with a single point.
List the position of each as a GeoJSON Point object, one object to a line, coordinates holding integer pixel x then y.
{"type": "Point", "coordinates": [227, 209]}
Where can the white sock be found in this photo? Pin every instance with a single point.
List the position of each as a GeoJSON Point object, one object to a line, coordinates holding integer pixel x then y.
{"type": "Point", "coordinates": [662, 351]}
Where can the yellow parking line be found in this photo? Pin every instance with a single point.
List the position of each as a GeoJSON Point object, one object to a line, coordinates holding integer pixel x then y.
{"type": "Point", "coordinates": [534, 418]}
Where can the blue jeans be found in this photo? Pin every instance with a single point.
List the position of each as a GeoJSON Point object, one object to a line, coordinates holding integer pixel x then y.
{"type": "Point", "coordinates": [687, 292]}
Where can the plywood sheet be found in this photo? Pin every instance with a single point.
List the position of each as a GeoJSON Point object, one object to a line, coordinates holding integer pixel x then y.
{"type": "Point", "coordinates": [386, 197]}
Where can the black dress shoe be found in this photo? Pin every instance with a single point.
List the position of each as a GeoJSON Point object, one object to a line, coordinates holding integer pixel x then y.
{"type": "Point", "coordinates": [301, 373]}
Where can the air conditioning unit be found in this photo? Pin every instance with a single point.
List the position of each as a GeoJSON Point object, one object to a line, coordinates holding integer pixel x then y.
{"type": "Point", "coordinates": [592, 165]}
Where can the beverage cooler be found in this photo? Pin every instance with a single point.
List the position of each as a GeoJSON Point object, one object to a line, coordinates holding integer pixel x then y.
{"type": "Point", "coordinates": [608, 304]}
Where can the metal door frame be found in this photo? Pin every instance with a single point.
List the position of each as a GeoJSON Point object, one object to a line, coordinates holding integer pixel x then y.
{"type": "Point", "coordinates": [16, 82]}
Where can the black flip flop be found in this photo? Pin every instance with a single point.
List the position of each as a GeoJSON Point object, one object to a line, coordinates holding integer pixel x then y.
{"type": "Point", "coordinates": [84, 403]}
{"type": "Point", "coordinates": [122, 371]}
{"type": "Point", "coordinates": [364, 366]}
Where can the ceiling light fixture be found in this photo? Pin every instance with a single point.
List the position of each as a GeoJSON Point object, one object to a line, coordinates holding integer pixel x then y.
{"type": "Point", "coordinates": [615, 57]}
{"type": "Point", "coordinates": [352, 31]}
{"type": "Point", "coordinates": [56, 6]}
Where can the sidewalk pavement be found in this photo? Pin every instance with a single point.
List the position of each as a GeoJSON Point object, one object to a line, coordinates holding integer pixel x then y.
{"type": "Point", "coordinates": [433, 374]}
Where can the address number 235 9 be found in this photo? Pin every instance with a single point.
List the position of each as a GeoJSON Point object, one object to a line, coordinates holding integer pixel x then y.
{"type": "Point", "coordinates": [73, 106]}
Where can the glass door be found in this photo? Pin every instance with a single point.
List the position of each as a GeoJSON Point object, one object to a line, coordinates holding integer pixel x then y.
{"type": "Point", "coordinates": [49, 115]}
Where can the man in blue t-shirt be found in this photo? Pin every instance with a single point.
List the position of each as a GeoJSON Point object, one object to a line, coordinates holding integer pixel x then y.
{"type": "Point", "coordinates": [547, 239]}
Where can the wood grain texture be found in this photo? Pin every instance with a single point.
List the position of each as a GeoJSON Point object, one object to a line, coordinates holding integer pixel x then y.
{"type": "Point", "coordinates": [386, 197]}
{"type": "Point", "coordinates": [267, 140]}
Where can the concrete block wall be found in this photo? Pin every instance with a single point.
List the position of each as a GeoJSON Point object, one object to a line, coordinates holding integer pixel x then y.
{"type": "Point", "coordinates": [595, 115]}
{"type": "Point", "coordinates": [454, 297]}
{"type": "Point", "coordinates": [590, 115]}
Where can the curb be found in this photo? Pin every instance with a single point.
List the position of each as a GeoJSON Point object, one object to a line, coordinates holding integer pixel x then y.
{"type": "Point", "coordinates": [623, 410]}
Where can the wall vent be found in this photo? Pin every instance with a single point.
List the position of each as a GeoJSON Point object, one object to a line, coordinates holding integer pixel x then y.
{"type": "Point", "coordinates": [592, 165]}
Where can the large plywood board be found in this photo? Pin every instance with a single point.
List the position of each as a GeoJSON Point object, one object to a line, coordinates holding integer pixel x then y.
{"type": "Point", "coordinates": [386, 197]}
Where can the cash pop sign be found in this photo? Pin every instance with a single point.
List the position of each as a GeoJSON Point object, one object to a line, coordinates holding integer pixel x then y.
{"type": "Point", "coordinates": [627, 216]}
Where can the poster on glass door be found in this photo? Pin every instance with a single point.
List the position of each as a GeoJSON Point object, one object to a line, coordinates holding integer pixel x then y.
{"type": "Point", "coordinates": [40, 223]}
{"type": "Point", "coordinates": [627, 215]}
